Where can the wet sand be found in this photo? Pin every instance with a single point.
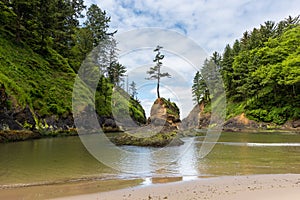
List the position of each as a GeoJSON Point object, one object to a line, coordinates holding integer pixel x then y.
{"type": "Point", "coordinates": [40, 192]}
{"type": "Point", "coordinates": [258, 187]}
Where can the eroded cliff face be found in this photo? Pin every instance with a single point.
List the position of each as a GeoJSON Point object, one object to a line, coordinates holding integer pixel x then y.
{"type": "Point", "coordinates": [11, 117]}
{"type": "Point", "coordinates": [198, 119]}
{"type": "Point", "coordinates": [164, 113]}
{"type": "Point", "coordinates": [192, 120]}
{"type": "Point", "coordinates": [14, 117]}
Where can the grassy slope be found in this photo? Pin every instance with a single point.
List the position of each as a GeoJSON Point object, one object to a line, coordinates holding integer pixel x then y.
{"type": "Point", "coordinates": [29, 79]}
{"type": "Point", "coordinates": [45, 84]}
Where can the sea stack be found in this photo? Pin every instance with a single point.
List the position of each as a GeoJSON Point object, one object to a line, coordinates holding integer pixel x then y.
{"type": "Point", "coordinates": [164, 113]}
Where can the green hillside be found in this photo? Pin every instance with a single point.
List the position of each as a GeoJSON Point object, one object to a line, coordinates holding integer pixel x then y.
{"type": "Point", "coordinates": [260, 72]}
{"type": "Point", "coordinates": [42, 47]}
{"type": "Point", "coordinates": [44, 84]}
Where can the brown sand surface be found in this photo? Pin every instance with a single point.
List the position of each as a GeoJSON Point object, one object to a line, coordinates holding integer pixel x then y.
{"type": "Point", "coordinates": [258, 187]}
{"type": "Point", "coordinates": [40, 192]}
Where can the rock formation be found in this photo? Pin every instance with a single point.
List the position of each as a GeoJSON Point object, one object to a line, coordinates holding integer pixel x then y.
{"type": "Point", "coordinates": [197, 118]}
{"type": "Point", "coordinates": [161, 130]}
{"type": "Point", "coordinates": [164, 113]}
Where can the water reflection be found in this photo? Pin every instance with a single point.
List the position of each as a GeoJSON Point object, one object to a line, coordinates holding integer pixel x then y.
{"type": "Point", "coordinates": [143, 160]}
{"type": "Point", "coordinates": [187, 165]}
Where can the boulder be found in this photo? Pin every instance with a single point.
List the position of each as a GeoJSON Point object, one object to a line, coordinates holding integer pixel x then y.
{"type": "Point", "coordinates": [241, 122]}
{"type": "Point", "coordinates": [161, 130]}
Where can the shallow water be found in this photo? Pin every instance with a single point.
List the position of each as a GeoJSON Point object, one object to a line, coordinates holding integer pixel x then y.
{"type": "Point", "coordinates": [61, 160]}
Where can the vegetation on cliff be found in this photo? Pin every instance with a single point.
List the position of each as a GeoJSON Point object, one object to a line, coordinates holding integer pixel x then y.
{"type": "Point", "coordinates": [164, 112]}
{"type": "Point", "coordinates": [42, 48]}
{"type": "Point", "coordinates": [30, 79]}
{"type": "Point", "coordinates": [261, 73]}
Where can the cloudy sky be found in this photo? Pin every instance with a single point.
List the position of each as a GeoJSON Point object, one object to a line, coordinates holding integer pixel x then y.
{"type": "Point", "coordinates": [210, 23]}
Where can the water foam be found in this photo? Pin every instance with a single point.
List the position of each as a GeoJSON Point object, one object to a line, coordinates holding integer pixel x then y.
{"type": "Point", "coordinates": [251, 144]}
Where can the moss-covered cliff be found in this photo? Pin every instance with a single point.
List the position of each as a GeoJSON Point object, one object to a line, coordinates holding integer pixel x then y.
{"type": "Point", "coordinates": [36, 91]}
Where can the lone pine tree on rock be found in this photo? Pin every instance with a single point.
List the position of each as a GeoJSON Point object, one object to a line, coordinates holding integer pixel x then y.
{"type": "Point", "coordinates": [155, 72]}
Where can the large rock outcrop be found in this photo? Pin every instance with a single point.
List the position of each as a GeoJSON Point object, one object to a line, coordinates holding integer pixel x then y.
{"type": "Point", "coordinates": [241, 122]}
{"type": "Point", "coordinates": [161, 130]}
{"type": "Point", "coordinates": [192, 120]}
{"type": "Point", "coordinates": [197, 118]}
{"type": "Point", "coordinates": [164, 113]}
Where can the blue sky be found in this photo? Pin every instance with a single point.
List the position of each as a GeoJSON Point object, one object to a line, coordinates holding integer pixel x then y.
{"type": "Point", "coordinates": [210, 23]}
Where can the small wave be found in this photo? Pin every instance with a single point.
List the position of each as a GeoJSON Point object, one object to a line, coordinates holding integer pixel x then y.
{"type": "Point", "coordinates": [275, 144]}
{"type": "Point", "coordinates": [249, 144]}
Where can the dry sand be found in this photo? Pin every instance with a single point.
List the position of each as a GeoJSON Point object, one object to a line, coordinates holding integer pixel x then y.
{"type": "Point", "coordinates": [254, 187]}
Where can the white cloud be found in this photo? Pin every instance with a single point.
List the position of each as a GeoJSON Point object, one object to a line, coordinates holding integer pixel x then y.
{"type": "Point", "coordinates": [203, 20]}
{"type": "Point", "coordinates": [210, 23]}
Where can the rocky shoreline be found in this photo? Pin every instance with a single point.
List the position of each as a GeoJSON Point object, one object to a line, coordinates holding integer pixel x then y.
{"type": "Point", "coordinates": [23, 135]}
{"type": "Point", "coordinates": [133, 136]}
{"type": "Point", "coordinates": [164, 126]}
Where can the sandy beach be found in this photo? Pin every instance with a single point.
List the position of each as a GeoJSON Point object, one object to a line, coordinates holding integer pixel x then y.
{"type": "Point", "coordinates": [258, 187]}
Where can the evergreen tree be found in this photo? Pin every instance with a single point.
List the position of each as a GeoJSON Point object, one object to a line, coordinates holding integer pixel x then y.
{"type": "Point", "coordinates": [236, 48]}
{"type": "Point", "coordinates": [267, 30]}
{"type": "Point", "coordinates": [199, 89]}
{"type": "Point", "coordinates": [7, 17]}
{"type": "Point", "coordinates": [83, 45]}
{"type": "Point", "coordinates": [245, 41]}
{"type": "Point", "coordinates": [210, 75]}
{"type": "Point", "coordinates": [133, 90]}
{"type": "Point", "coordinates": [68, 13]}
{"type": "Point", "coordinates": [216, 58]}
{"type": "Point", "coordinates": [107, 56]}
{"type": "Point", "coordinates": [25, 17]}
{"type": "Point", "coordinates": [47, 11]}
{"type": "Point", "coordinates": [97, 23]}
{"type": "Point", "coordinates": [116, 72]}
{"type": "Point", "coordinates": [227, 70]}
{"type": "Point", "coordinates": [155, 72]}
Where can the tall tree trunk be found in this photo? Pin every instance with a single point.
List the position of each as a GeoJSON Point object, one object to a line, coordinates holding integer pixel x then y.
{"type": "Point", "coordinates": [158, 96]}
{"type": "Point", "coordinates": [158, 79]}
